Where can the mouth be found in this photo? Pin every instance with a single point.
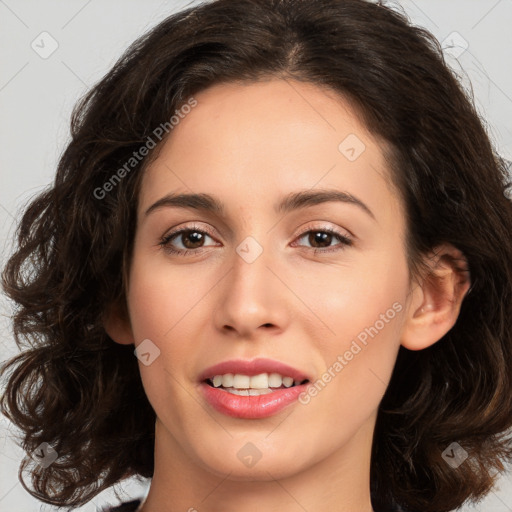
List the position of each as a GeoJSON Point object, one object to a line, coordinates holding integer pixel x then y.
{"type": "Point", "coordinates": [253, 389]}
{"type": "Point", "coordinates": [253, 385]}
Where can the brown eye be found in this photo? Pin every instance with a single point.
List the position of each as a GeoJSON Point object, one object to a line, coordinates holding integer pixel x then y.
{"type": "Point", "coordinates": [191, 239]}
{"type": "Point", "coordinates": [321, 239]}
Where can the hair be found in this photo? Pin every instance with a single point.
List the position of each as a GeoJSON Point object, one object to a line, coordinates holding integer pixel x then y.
{"type": "Point", "coordinates": [75, 388]}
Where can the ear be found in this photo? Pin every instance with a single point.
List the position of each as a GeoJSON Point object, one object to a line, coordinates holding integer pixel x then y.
{"type": "Point", "coordinates": [116, 322]}
{"type": "Point", "coordinates": [436, 299]}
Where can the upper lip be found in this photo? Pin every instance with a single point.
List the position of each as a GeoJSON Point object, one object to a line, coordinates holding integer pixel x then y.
{"type": "Point", "coordinates": [253, 367]}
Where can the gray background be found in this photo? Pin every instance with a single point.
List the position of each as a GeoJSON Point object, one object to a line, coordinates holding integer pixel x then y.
{"type": "Point", "coordinates": [37, 95]}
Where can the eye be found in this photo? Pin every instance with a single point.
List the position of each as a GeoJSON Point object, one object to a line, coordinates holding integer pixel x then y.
{"type": "Point", "coordinates": [190, 237]}
{"type": "Point", "coordinates": [324, 237]}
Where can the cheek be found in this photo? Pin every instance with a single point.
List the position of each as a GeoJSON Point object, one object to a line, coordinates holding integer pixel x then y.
{"type": "Point", "coordinates": [161, 296]}
{"type": "Point", "coordinates": [363, 309]}
{"type": "Point", "coordinates": [160, 303]}
{"type": "Point", "coordinates": [350, 299]}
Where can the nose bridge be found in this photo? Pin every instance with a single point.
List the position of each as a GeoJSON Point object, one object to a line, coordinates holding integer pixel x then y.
{"type": "Point", "coordinates": [250, 275]}
{"type": "Point", "coordinates": [251, 295]}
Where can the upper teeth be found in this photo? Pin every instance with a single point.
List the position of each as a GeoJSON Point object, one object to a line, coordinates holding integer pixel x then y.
{"type": "Point", "coordinates": [261, 381]}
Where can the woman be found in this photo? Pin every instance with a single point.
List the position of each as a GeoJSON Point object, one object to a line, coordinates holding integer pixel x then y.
{"type": "Point", "coordinates": [274, 271]}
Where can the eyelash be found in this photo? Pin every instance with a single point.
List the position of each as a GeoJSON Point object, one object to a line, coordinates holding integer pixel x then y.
{"type": "Point", "coordinates": [165, 241]}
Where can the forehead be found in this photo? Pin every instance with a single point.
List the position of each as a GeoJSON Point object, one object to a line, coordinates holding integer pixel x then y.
{"type": "Point", "coordinates": [276, 114]}
{"type": "Point", "coordinates": [248, 142]}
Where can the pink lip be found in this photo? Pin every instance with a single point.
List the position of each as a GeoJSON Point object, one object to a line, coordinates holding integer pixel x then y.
{"type": "Point", "coordinates": [252, 407]}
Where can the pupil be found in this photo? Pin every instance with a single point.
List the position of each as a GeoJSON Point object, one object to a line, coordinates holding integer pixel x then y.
{"type": "Point", "coordinates": [191, 235]}
{"type": "Point", "coordinates": [320, 237]}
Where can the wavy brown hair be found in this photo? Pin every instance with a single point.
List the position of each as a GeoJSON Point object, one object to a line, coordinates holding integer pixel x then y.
{"type": "Point", "coordinates": [75, 388]}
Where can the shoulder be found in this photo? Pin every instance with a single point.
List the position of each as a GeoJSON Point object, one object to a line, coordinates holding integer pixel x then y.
{"type": "Point", "coordinates": [129, 506]}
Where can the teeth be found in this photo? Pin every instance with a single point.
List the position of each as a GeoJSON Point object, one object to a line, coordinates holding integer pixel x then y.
{"type": "Point", "coordinates": [287, 382]}
{"type": "Point", "coordinates": [248, 392]}
{"type": "Point", "coordinates": [241, 381]}
{"type": "Point", "coordinates": [227, 380]}
{"type": "Point", "coordinates": [261, 382]}
{"type": "Point", "coordinates": [275, 380]}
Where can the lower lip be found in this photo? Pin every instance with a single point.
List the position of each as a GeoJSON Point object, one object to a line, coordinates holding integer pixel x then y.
{"type": "Point", "coordinates": [251, 407]}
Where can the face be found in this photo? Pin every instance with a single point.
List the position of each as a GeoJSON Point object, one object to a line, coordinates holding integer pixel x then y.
{"type": "Point", "coordinates": [271, 283]}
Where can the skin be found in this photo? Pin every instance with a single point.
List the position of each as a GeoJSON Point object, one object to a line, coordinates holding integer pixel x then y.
{"type": "Point", "coordinates": [250, 145]}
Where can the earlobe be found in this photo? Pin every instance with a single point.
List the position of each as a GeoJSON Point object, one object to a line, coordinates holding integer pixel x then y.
{"type": "Point", "coordinates": [436, 301]}
{"type": "Point", "coordinates": [117, 325]}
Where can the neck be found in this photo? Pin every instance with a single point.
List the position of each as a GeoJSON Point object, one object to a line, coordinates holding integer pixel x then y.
{"type": "Point", "coordinates": [338, 482]}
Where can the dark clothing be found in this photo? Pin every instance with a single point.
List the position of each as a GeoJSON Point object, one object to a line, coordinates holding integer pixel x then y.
{"type": "Point", "coordinates": [129, 506]}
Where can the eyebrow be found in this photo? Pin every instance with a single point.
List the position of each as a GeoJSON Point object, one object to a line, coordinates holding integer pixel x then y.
{"type": "Point", "coordinates": [293, 201]}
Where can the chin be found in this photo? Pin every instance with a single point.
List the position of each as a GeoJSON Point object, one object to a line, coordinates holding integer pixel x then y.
{"type": "Point", "coordinates": [262, 471]}
{"type": "Point", "coordinates": [244, 462]}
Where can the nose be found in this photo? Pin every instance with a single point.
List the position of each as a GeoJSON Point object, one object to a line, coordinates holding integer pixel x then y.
{"type": "Point", "coordinates": [253, 300]}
